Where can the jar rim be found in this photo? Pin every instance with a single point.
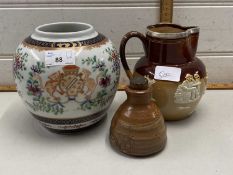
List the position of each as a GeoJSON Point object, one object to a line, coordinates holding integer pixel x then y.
{"type": "Point", "coordinates": [171, 31]}
{"type": "Point", "coordinates": [64, 31]}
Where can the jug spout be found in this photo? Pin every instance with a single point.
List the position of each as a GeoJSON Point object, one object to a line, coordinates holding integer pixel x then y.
{"type": "Point", "coordinates": [192, 38]}
{"type": "Point", "coordinates": [171, 43]}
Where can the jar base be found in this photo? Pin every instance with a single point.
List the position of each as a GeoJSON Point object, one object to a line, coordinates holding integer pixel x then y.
{"type": "Point", "coordinates": [137, 154]}
{"type": "Point", "coordinates": [71, 126]}
{"type": "Point", "coordinates": [172, 118]}
{"type": "Point", "coordinates": [76, 131]}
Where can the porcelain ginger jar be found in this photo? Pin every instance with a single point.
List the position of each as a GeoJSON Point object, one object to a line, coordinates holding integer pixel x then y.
{"type": "Point", "coordinates": [67, 75]}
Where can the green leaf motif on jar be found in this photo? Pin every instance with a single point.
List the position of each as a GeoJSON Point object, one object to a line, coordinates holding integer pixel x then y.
{"type": "Point", "coordinates": [20, 59]}
{"type": "Point", "coordinates": [103, 80]}
{"type": "Point", "coordinates": [34, 82]}
{"type": "Point", "coordinates": [114, 58]}
{"type": "Point", "coordinates": [101, 100]}
{"type": "Point", "coordinates": [35, 89]}
{"type": "Point", "coordinates": [40, 104]}
{"type": "Point", "coordinates": [113, 55]}
{"type": "Point", "coordinates": [96, 63]}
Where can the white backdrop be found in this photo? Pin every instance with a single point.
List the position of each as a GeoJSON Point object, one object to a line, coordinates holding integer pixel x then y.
{"type": "Point", "coordinates": [114, 18]}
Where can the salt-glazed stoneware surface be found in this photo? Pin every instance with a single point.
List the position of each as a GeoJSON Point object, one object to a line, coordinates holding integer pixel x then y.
{"type": "Point", "coordinates": [66, 95]}
{"type": "Point", "coordinates": [138, 128]}
{"type": "Point", "coordinates": [170, 59]}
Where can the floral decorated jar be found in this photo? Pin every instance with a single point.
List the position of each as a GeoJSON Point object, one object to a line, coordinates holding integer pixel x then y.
{"type": "Point", "coordinates": [67, 75]}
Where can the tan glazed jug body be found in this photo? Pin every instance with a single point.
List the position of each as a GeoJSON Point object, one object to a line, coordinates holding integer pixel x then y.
{"type": "Point", "coordinates": [138, 127]}
{"type": "Point", "coordinates": [170, 59]}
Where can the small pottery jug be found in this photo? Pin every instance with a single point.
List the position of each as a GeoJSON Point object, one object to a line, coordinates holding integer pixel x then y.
{"type": "Point", "coordinates": [138, 127]}
{"type": "Point", "coordinates": [170, 59]}
{"type": "Point", "coordinates": [67, 75]}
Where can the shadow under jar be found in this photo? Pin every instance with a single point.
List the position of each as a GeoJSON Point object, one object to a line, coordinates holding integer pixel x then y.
{"type": "Point", "coordinates": [67, 75]}
{"type": "Point", "coordinates": [170, 46]}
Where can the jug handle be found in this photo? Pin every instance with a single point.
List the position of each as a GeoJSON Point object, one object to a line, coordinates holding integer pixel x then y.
{"type": "Point", "coordinates": [122, 49]}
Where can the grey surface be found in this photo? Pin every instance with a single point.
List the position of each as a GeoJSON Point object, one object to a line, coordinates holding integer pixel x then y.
{"type": "Point", "coordinates": [201, 144]}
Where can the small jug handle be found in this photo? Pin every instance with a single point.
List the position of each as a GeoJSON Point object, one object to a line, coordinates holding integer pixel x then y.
{"type": "Point", "coordinates": [122, 49]}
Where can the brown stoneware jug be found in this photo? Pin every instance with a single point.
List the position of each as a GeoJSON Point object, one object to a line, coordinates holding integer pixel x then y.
{"type": "Point", "coordinates": [138, 127]}
{"type": "Point", "coordinates": [170, 59]}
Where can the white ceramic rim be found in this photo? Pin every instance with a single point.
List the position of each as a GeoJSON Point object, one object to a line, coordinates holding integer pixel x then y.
{"type": "Point", "coordinates": [64, 36]}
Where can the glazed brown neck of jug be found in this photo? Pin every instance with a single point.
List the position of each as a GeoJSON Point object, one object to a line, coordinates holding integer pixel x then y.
{"type": "Point", "coordinates": [170, 44]}
{"type": "Point", "coordinates": [165, 45]}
